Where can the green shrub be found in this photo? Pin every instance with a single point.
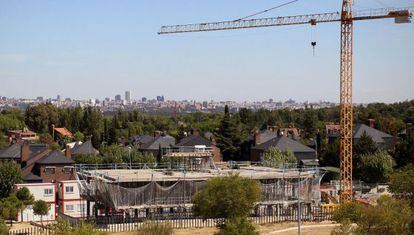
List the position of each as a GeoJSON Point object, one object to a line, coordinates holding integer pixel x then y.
{"type": "Point", "coordinates": [63, 228]}
{"type": "Point", "coordinates": [350, 212]}
{"type": "Point", "coordinates": [4, 230]}
{"type": "Point", "coordinates": [237, 226]}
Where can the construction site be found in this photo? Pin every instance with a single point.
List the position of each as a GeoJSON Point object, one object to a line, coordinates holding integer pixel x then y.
{"type": "Point", "coordinates": [142, 190]}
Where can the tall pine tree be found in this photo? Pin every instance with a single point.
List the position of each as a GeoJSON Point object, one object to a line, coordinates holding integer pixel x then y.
{"type": "Point", "coordinates": [230, 136]}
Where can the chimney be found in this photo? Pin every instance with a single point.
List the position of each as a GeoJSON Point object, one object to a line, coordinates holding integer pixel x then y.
{"type": "Point", "coordinates": [68, 151]}
{"type": "Point", "coordinates": [25, 152]}
{"type": "Point", "coordinates": [157, 134]}
{"type": "Point", "coordinates": [256, 137]}
{"type": "Point", "coordinates": [371, 123]}
{"type": "Point", "coordinates": [196, 132]}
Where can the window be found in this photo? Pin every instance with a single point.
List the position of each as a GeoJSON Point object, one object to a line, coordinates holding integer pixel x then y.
{"type": "Point", "coordinates": [69, 189]}
{"type": "Point", "coordinates": [50, 170]}
{"type": "Point", "coordinates": [48, 192]}
{"type": "Point", "coordinates": [81, 207]}
{"type": "Point", "coordinates": [69, 208]}
{"type": "Point", "coordinates": [68, 169]}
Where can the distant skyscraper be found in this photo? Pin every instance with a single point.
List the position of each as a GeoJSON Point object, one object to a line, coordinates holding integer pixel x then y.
{"type": "Point", "coordinates": [118, 98]}
{"type": "Point", "coordinates": [127, 96]}
{"type": "Point", "coordinates": [58, 97]}
{"type": "Point", "coordinates": [160, 98]}
{"type": "Point", "coordinates": [144, 99]}
{"type": "Point", "coordinates": [39, 98]}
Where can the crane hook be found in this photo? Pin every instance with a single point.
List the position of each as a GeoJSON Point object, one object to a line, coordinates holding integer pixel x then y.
{"type": "Point", "coordinates": [313, 44]}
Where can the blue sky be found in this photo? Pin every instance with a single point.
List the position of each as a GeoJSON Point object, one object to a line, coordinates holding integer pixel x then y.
{"type": "Point", "coordinates": [99, 48]}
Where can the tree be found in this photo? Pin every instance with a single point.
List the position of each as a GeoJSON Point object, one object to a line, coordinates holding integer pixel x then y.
{"type": "Point", "coordinates": [9, 207]}
{"type": "Point", "coordinates": [376, 167]}
{"type": "Point", "coordinates": [348, 212]}
{"type": "Point", "coordinates": [48, 139]}
{"type": "Point", "coordinates": [275, 157]}
{"type": "Point", "coordinates": [330, 155]}
{"type": "Point", "coordinates": [310, 123]}
{"type": "Point", "coordinates": [88, 159]}
{"type": "Point", "coordinates": [41, 117]}
{"type": "Point", "coordinates": [231, 197]}
{"type": "Point", "coordinates": [365, 145]}
{"type": "Point", "coordinates": [138, 157]}
{"type": "Point", "coordinates": [401, 183]}
{"type": "Point", "coordinates": [4, 142]}
{"type": "Point", "coordinates": [230, 136]}
{"type": "Point", "coordinates": [41, 208]}
{"type": "Point", "coordinates": [11, 120]}
{"type": "Point", "coordinates": [25, 197]}
{"type": "Point", "coordinates": [78, 136]}
{"type": "Point", "coordinates": [113, 153]}
{"type": "Point", "coordinates": [10, 175]}
{"type": "Point", "coordinates": [403, 155]}
{"type": "Point", "coordinates": [389, 216]}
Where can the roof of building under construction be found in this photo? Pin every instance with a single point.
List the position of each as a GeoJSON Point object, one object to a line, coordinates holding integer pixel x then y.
{"type": "Point", "coordinates": [147, 175]}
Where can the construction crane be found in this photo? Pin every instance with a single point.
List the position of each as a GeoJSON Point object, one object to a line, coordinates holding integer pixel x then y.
{"type": "Point", "coordinates": [346, 16]}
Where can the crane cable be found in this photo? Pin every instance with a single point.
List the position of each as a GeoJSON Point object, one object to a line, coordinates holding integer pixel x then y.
{"type": "Point", "coordinates": [267, 10]}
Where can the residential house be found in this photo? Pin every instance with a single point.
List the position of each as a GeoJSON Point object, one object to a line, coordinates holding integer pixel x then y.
{"type": "Point", "coordinates": [158, 145]}
{"type": "Point", "coordinates": [25, 134]}
{"type": "Point", "coordinates": [382, 140]}
{"type": "Point", "coordinates": [70, 201]}
{"type": "Point", "coordinates": [196, 141]}
{"type": "Point", "coordinates": [303, 153]}
{"type": "Point", "coordinates": [53, 167]}
{"type": "Point", "coordinates": [38, 163]}
{"type": "Point", "coordinates": [141, 140]}
{"type": "Point", "coordinates": [40, 191]}
{"type": "Point", "coordinates": [80, 148]}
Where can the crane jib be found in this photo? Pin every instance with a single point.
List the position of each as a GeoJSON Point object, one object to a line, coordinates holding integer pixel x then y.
{"type": "Point", "coordinates": [402, 15]}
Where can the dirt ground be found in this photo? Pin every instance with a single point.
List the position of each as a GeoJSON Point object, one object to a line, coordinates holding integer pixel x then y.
{"type": "Point", "coordinates": [323, 228]}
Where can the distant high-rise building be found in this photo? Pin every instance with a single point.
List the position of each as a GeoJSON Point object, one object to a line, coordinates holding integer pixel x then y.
{"type": "Point", "coordinates": [127, 96]}
{"type": "Point", "coordinates": [270, 100]}
{"type": "Point", "coordinates": [205, 104]}
{"type": "Point", "coordinates": [107, 99]}
{"type": "Point", "coordinates": [118, 98]}
{"type": "Point", "coordinates": [39, 98]}
{"type": "Point", "coordinates": [58, 97]}
{"type": "Point", "coordinates": [160, 98]}
{"type": "Point", "coordinates": [144, 99]}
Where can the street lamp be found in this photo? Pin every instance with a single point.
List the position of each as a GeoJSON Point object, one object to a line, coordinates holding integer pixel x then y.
{"type": "Point", "coordinates": [129, 155]}
{"type": "Point", "coordinates": [300, 166]}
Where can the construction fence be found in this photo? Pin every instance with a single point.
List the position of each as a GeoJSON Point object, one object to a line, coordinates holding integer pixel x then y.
{"type": "Point", "coordinates": [114, 224]}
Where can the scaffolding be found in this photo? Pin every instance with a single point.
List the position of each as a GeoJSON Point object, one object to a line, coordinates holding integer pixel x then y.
{"type": "Point", "coordinates": [161, 190]}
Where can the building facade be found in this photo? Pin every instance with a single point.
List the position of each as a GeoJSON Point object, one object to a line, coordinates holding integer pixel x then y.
{"type": "Point", "coordinates": [40, 191]}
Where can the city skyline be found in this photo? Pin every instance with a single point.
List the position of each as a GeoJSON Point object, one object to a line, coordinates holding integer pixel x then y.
{"type": "Point", "coordinates": [88, 50]}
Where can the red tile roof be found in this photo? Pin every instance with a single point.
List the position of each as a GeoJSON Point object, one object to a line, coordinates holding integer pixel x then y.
{"type": "Point", "coordinates": [63, 131]}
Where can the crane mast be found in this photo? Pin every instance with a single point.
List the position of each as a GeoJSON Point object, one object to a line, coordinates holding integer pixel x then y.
{"type": "Point", "coordinates": [346, 17]}
{"type": "Point", "coordinates": [346, 113]}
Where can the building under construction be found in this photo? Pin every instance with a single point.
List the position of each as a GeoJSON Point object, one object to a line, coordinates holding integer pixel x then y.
{"type": "Point", "coordinates": [169, 187]}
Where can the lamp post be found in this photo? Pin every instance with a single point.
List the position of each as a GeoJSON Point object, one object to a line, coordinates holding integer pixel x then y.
{"type": "Point", "coordinates": [299, 206]}
{"type": "Point", "coordinates": [129, 155]}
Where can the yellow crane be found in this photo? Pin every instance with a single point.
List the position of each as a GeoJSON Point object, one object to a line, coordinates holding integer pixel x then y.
{"type": "Point", "coordinates": [346, 16]}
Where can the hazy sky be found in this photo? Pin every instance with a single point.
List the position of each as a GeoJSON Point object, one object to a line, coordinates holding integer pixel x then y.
{"type": "Point", "coordinates": [98, 48]}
